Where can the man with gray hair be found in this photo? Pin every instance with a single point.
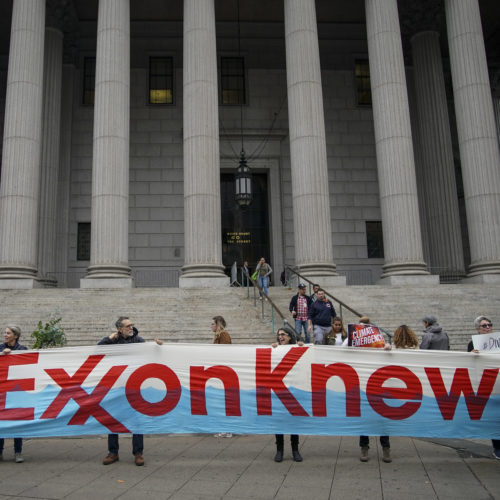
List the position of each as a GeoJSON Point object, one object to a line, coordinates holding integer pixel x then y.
{"type": "Point", "coordinates": [126, 333]}
{"type": "Point", "coordinates": [434, 336]}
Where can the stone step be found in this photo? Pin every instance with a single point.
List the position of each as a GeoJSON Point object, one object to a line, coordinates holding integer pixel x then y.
{"type": "Point", "coordinates": [181, 315]}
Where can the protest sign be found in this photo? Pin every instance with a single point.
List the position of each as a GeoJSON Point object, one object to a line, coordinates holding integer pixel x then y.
{"type": "Point", "coordinates": [363, 335]}
{"type": "Point", "coordinates": [182, 388]}
{"type": "Point", "coordinates": [487, 341]}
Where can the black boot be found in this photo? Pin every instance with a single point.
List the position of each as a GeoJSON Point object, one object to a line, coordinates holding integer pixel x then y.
{"type": "Point", "coordinates": [279, 448]}
{"type": "Point", "coordinates": [295, 448]}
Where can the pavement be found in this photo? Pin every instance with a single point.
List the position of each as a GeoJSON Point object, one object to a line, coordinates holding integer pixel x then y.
{"type": "Point", "coordinates": [202, 467]}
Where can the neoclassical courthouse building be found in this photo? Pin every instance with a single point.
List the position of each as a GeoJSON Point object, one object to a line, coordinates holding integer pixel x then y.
{"type": "Point", "coordinates": [370, 128]}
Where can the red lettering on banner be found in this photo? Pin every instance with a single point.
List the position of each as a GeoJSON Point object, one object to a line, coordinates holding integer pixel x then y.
{"type": "Point", "coordinates": [89, 403]}
{"type": "Point", "coordinates": [267, 380]}
{"type": "Point", "coordinates": [376, 392]}
{"type": "Point", "coordinates": [198, 380]}
{"type": "Point", "coordinates": [461, 383]}
{"type": "Point", "coordinates": [161, 372]}
{"type": "Point", "coordinates": [14, 385]}
{"type": "Point", "coordinates": [319, 377]}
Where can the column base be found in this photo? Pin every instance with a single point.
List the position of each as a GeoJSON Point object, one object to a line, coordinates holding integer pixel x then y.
{"type": "Point", "coordinates": [19, 283]}
{"type": "Point", "coordinates": [107, 282]}
{"type": "Point", "coordinates": [409, 279]}
{"type": "Point", "coordinates": [481, 279]}
{"type": "Point", "coordinates": [217, 281]}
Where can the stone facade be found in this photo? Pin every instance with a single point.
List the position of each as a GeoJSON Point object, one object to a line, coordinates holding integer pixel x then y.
{"type": "Point", "coordinates": [157, 196]}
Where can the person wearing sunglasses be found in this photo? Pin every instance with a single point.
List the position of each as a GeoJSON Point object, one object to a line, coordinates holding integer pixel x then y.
{"type": "Point", "coordinates": [484, 325]}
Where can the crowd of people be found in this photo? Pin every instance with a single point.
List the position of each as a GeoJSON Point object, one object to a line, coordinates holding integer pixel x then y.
{"type": "Point", "coordinates": [315, 318]}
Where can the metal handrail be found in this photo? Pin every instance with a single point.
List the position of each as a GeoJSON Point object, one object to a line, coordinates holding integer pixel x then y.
{"type": "Point", "coordinates": [265, 298]}
{"type": "Point", "coordinates": [342, 304]}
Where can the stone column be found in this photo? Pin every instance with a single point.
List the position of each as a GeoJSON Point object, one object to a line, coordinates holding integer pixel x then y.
{"type": "Point", "coordinates": [202, 212]}
{"type": "Point", "coordinates": [51, 126]}
{"type": "Point", "coordinates": [110, 168]}
{"type": "Point", "coordinates": [63, 188]}
{"type": "Point", "coordinates": [439, 193]}
{"type": "Point", "coordinates": [477, 137]}
{"type": "Point", "coordinates": [19, 195]}
{"type": "Point", "coordinates": [311, 200]}
{"type": "Point", "coordinates": [395, 164]}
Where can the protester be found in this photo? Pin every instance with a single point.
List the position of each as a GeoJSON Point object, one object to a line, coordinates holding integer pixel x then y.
{"type": "Point", "coordinates": [338, 335]}
{"type": "Point", "coordinates": [320, 317]}
{"type": "Point", "coordinates": [218, 326]}
{"type": "Point", "coordinates": [126, 333]}
{"type": "Point", "coordinates": [314, 297]}
{"type": "Point", "coordinates": [263, 270]}
{"type": "Point", "coordinates": [405, 338]}
{"type": "Point", "coordinates": [285, 336]}
{"type": "Point", "coordinates": [11, 336]}
{"type": "Point", "coordinates": [299, 307]}
{"type": "Point", "coordinates": [221, 336]}
{"type": "Point", "coordinates": [484, 326]}
{"type": "Point", "coordinates": [364, 441]}
{"type": "Point", "coordinates": [434, 336]}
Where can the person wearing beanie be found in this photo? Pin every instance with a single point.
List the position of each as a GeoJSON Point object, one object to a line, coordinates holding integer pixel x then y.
{"type": "Point", "coordinates": [434, 336]}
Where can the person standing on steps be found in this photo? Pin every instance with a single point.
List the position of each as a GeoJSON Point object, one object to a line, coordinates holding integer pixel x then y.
{"type": "Point", "coordinates": [320, 316]}
{"type": "Point", "coordinates": [285, 336]}
{"type": "Point", "coordinates": [263, 270]}
{"type": "Point", "coordinates": [11, 336]}
{"type": "Point", "coordinates": [299, 307]}
{"type": "Point", "coordinates": [434, 336]}
{"type": "Point", "coordinates": [126, 333]}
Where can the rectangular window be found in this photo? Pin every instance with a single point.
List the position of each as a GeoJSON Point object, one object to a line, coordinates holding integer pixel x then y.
{"type": "Point", "coordinates": [161, 80]}
{"type": "Point", "coordinates": [374, 239]}
{"type": "Point", "coordinates": [362, 77]}
{"type": "Point", "coordinates": [88, 81]}
{"type": "Point", "coordinates": [83, 241]}
{"type": "Point", "coordinates": [232, 77]}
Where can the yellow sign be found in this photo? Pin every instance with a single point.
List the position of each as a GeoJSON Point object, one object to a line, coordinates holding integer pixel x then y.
{"type": "Point", "coordinates": [238, 238]}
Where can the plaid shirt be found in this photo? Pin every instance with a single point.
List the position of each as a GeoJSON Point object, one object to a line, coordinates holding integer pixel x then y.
{"type": "Point", "coordinates": [301, 309]}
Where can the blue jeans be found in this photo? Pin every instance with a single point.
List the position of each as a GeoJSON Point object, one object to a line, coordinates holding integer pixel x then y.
{"type": "Point", "coordinates": [137, 443]}
{"type": "Point", "coordinates": [299, 325]}
{"type": "Point", "coordinates": [264, 284]}
{"type": "Point", "coordinates": [18, 445]}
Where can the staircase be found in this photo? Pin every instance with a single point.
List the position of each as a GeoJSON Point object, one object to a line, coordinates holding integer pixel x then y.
{"type": "Point", "coordinates": [183, 315]}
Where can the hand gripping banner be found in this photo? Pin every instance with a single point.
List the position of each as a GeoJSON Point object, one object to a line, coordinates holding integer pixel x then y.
{"type": "Point", "coordinates": [183, 388]}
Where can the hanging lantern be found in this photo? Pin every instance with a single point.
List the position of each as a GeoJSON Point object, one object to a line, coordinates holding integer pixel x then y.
{"type": "Point", "coordinates": [243, 183]}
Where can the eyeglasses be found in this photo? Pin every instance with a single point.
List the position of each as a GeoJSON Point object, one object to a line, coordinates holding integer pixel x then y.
{"type": "Point", "coordinates": [282, 334]}
{"type": "Point", "coordinates": [128, 326]}
{"type": "Point", "coordinates": [486, 325]}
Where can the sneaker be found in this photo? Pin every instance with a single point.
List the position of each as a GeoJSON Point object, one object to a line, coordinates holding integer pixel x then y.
{"type": "Point", "coordinates": [364, 454]}
{"type": "Point", "coordinates": [296, 456]}
{"type": "Point", "coordinates": [496, 453]}
{"type": "Point", "coordinates": [386, 454]}
{"type": "Point", "coordinates": [223, 435]}
{"type": "Point", "coordinates": [139, 459]}
{"type": "Point", "coordinates": [19, 458]}
{"type": "Point", "coordinates": [279, 456]}
{"type": "Point", "coordinates": [110, 459]}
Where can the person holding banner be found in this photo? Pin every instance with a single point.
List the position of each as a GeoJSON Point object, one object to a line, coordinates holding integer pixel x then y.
{"type": "Point", "coordinates": [221, 336]}
{"type": "Point", "coordinates": [434, 336]}
{"type": "Point", "coordinates": [484, 326]}
{"type": "Point", "coordinates": [285, 336]}
{"type": "Point", "coordinates": [11, 336]}
{"type": "Point", "coordinates": [126, 334]}
{"type": "Point", "coordinates": [364, 441]}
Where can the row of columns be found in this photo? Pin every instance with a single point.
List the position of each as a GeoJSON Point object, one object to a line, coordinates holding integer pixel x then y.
{"type": "Point", "coordinates": [23, 154]}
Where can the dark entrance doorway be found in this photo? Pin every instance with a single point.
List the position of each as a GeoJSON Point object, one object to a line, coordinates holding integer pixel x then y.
{"type": "Point", "coordinates": [245, 232]}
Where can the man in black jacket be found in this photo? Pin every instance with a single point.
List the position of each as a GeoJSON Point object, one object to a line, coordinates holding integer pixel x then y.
{"type": "Point", "coordinates": [125, 333]}
{"type": "Point", "coordinates": [299, 307]}
{"type": "Point", "coordinates": [321, 314]}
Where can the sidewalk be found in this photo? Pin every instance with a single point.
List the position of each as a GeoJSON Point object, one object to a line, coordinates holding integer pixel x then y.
{"type": "Point", "coordinates": [192, 467]}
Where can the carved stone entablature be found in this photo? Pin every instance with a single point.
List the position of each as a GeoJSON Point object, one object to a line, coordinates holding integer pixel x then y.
{"type": "Point", "coordinates": [61, 14]}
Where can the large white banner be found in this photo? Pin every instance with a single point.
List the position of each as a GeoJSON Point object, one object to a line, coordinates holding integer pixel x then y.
{"type": "Point", "coordinates": [178, 388]}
